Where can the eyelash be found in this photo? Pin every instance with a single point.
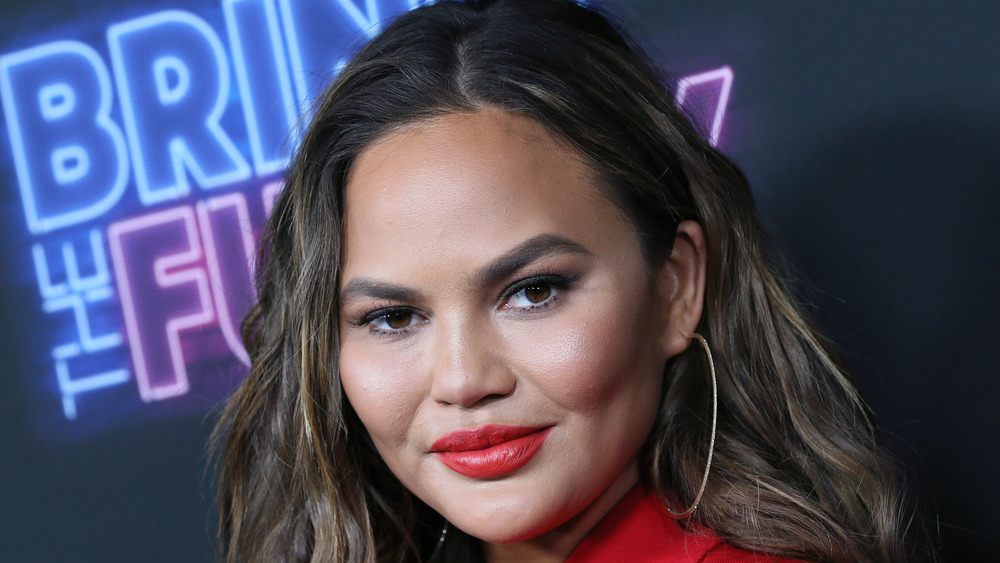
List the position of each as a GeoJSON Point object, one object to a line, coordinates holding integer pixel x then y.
{"type": "Point", "coordinates": [558, 283]}
{"type": "Point", "coordinates": [555, 281]}
{"type": "Point", "coordinates": [368, 319]}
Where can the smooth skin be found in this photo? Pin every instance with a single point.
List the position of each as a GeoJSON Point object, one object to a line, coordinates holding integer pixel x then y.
{"type": "Point", "coordinates": [487, 280]}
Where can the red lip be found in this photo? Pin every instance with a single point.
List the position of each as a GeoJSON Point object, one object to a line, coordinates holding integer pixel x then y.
{"type": "Point", "coordinates": [491, 450]}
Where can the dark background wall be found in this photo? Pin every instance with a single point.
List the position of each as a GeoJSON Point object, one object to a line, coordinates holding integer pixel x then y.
{"type": "Point", "coordinates": [870, 135]}
{"type": "Point", "coordinates": [869, 132]}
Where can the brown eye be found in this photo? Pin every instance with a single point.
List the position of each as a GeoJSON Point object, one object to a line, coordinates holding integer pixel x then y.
{"type": "Point", "coordinates": [398, 319]}
{"type": "Point", "coordinates": [531, 296]}
{"type": "Point", "coordinates": [537, 293]}
{"type": "Point", "coordinates": [394, 320]}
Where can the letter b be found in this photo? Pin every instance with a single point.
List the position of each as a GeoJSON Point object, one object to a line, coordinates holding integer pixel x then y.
{"type": "Point", "coordinates": [71, 158]}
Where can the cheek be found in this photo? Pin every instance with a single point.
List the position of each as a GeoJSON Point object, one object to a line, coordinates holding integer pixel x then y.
{"type": "Point", "coordinates": [383, 393]}
{"type": "Point", "coordinates": [598, 359]}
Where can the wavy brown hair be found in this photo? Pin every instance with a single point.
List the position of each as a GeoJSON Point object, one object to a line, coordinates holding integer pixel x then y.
{"type": "Point", "coordinates": [798, 468]}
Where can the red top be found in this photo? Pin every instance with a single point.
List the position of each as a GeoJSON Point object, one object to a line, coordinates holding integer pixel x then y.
{"type": "Point", "coordinates": [639, 529]}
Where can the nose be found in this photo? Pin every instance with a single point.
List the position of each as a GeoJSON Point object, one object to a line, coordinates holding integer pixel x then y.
{"type": "Point", "coordinates": [469, 367]}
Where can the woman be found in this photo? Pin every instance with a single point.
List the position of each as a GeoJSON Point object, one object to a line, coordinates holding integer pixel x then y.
{"type": "Point", "coordinates": [500, 291]}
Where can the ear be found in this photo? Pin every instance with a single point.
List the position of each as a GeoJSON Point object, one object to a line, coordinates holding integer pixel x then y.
{"type": "Point", "coordinates": [682, 287]}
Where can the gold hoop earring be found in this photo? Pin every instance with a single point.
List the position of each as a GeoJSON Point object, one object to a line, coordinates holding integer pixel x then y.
{"type": "Point", "coordinates": [711, 444]}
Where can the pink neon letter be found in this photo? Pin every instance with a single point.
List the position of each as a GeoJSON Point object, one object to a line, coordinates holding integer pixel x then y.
{"type": "Point", "coordinates": [269, 193]}
{"type": "Point", "coordinates": [706, 95]}
{"type": "Point", "coordinates": [160, 299]}
{"type": "Point", "coordinates": [229, 249]}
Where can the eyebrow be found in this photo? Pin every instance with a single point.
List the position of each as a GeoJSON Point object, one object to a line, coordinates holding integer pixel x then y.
{"type": "Point", "coordinates": [359, 288]}
{"type": "Point", "coordinates": [531, 250]}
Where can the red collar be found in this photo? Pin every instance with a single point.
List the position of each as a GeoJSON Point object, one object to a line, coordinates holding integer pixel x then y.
{"type": "Point", "coordinates": [638, 528]}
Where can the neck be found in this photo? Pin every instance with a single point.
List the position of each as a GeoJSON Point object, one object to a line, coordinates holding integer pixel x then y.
{"type": "Point", "coordinates": [555, 545]}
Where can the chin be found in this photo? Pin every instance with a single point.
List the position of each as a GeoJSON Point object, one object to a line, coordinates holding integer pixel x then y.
{"type": "Point", "coordinates": [508, 524]}
{"type": "Point", "coordinates": [502, 534]}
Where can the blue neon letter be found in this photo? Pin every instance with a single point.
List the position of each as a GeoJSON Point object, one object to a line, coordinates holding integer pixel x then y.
{"type": "Point", "coordinates": [70, 156]}
{"type": "Point", "coordinates": [173, 81]}
{"type": "Point", "coordinates": [269, 104]}
{"type": "Point", "coordinates": [319, 33]}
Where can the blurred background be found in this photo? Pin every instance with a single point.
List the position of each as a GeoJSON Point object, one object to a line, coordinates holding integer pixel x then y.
{"type": "Point", "coordinates": [143, 143]}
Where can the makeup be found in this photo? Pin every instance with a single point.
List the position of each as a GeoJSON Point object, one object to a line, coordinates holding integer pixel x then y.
{"type": "Point", "coordinates": [531, 349]}
{"type": "Point", "coordinates": [491, 450]}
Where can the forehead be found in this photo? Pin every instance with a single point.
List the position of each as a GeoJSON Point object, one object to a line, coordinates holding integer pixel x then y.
{"type": "Point", "coordinates": [483, 154]}
{"type": "Point", "coordinates": [464, 185]}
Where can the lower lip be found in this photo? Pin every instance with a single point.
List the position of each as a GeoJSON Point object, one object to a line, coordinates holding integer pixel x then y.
{"type": "Point", "coordinates": [497, 460]}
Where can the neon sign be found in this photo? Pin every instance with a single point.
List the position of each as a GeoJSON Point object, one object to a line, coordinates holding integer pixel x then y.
{"type": "Point", "coordinates": [144, 173]}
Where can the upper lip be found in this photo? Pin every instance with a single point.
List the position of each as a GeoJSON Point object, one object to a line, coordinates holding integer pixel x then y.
{"type": "Point", "coordinates": [481, 438]}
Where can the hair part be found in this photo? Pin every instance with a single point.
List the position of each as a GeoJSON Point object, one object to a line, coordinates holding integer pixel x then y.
{"type": "Point", "coordinates": [798, 468]}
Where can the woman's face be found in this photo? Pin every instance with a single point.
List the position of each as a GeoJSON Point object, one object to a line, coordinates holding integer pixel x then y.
{"type": "Point", "coordinates": [502, 337]}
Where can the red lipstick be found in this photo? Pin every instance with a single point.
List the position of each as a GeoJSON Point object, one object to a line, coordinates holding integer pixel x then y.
{"type": "Point", "coordinates": [491, 450]}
